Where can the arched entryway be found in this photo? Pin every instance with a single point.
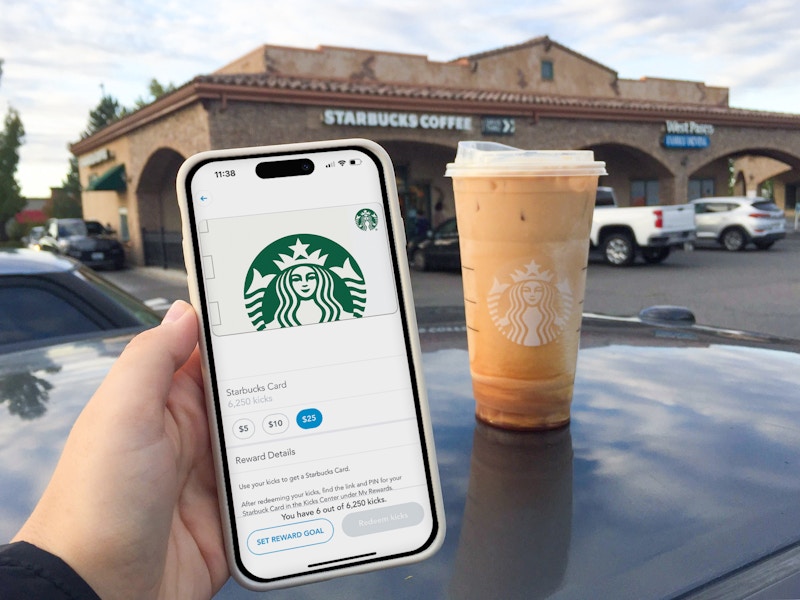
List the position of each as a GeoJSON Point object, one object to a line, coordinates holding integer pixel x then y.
{"type": "Point", "coordinates": [426, 195]}
{"type": "Point", "coordinates": [159, 216]}
{"type": "Point", "coordinates": [638, 178]}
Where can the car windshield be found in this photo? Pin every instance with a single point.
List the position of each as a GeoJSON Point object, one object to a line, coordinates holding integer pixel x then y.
{"type": "Point", "coordinates": [94, 228]}
{"type": "Point", "coordinates": [604, 198]}
{"type": "Point", "coordinates": [70, 228]}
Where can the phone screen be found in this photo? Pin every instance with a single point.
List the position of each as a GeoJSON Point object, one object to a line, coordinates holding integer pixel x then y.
{"type": "Point", "coordinates": [317, 406]}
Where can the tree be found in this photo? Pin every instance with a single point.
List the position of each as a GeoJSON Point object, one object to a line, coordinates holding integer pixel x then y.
{"type": "Point", "coordinates": [107, 111]}
{"type": "Point", "coordinates": [110, 110]}
{"type": "Point", "coordinates": [67, 202]}
{"type": "Point", "coordinates": [157, 89]}
{"type": "Point", "coordinates": [11, 202]}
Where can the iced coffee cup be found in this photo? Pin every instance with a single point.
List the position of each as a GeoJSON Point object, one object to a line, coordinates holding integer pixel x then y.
{"type": "Point", "coordinates": [524, 218]}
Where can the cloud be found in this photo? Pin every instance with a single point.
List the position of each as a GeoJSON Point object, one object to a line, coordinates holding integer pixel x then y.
{"type": "Point", "coordinates": [58, 55]}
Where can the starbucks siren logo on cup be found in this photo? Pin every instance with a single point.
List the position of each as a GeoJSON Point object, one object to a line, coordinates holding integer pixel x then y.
{"type": "Point", "coordinates": [531, 309]}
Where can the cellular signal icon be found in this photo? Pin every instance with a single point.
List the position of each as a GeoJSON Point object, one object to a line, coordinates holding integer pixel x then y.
{"type": "Point", "coordinates": [330, 164]}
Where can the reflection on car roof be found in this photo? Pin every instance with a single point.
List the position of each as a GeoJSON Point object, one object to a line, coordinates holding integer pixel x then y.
{"type": "Point", "coordinates": [23, 261]}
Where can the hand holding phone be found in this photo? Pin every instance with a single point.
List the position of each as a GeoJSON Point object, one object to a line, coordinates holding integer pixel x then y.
{"type": "Point", "coordinates": [324, 451]}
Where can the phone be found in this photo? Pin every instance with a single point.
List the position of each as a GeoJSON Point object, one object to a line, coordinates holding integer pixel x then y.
{"type": "Point", "coordinates": [296, 262]}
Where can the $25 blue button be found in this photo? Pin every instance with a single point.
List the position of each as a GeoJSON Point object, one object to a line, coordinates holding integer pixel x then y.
{"type": "Point", "coordinates": [309, 418]}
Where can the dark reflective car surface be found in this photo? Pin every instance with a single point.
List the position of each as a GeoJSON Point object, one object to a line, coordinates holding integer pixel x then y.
{"type": "Point", "coordinates": [439, 249]}
{"type": "Point", "coordinates": [44, 296]}
{"type": "Point", "coordinates": [679, 475]}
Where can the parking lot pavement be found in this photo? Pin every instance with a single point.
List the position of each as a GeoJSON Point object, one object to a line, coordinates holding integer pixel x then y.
{"type": "Point", "coordinates": [155, 286]}
{"type": "Point", "coordinates": [753, 290]}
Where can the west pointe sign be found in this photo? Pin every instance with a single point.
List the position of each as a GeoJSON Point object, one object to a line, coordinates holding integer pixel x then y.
{"type": "Point", "coordinates": [403, 120]}
{"type": "Point", "coordinates": [687, 134]}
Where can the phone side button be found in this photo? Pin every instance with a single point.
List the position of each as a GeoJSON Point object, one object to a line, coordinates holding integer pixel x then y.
{"type": "Point", "coordinates": [290, 537]}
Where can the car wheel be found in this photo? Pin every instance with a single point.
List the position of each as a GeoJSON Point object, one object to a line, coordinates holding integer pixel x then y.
{"type": "Point", "coordinates": [734, 239]}
{"type": "Point", "coordinates": [764, 245]}
{"type": "Point", "coordinates": [618, 249]}
{"type": "Point", "coordinates": [419, 262]}
{"type": "Point", "coordinates": [655, 255]}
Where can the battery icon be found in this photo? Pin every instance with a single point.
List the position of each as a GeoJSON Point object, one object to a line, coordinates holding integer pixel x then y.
{"type": "Point", "coordinates": [355, 161]}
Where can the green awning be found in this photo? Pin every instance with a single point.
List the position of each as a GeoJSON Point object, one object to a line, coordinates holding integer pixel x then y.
{"type": "Point", "coordinates": [112, 180]}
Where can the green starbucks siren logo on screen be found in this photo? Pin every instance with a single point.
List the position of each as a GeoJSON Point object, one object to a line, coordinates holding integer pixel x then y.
{"type": "Point", "coordinates": [303, 279]}
{"type": "Point", "coordinates": [366, 219]}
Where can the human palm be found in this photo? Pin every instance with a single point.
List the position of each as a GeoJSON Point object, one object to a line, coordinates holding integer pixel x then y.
{"type": "Point", "coordinates": [132, 505]}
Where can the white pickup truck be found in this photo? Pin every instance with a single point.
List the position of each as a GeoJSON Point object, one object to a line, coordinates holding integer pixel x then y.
{"type": "Point", "coordinates": [651, 231]}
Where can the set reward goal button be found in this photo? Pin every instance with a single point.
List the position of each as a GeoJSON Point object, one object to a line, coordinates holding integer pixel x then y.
{"type": "Point", "coordinates": [289, 537]}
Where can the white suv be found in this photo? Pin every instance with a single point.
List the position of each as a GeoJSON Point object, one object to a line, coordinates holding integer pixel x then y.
{"type": "Point", "coordinates": [735, 221]}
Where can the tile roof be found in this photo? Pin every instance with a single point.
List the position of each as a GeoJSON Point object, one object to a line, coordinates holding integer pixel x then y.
{"type": "Point", "coordinates": [523, 101]}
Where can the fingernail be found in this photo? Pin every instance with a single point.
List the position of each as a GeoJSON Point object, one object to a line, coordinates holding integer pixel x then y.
{"type": "Point", "coordinates": [175, 312]}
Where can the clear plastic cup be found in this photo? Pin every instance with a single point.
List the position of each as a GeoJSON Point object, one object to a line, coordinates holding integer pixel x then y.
{"type": "Point", "coordinates": [524, 218]}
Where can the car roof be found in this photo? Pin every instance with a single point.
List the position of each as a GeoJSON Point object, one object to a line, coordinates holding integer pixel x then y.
{"type": "Point", "coordinates": [745, 199]}
{"type": "Point", "coordinates": [25, 261]}
{"type": "Point", "coordinates": [659, 486]}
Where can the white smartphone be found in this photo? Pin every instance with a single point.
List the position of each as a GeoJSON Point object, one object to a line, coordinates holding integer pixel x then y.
{"type": "Point", "coordinates": [324, 450]}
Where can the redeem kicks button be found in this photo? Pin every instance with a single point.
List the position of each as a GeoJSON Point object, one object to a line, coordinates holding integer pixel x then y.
{"type": "Point", "coordinates": [289, 537]}
{"type": "Point", "coordinates": [386, 518]}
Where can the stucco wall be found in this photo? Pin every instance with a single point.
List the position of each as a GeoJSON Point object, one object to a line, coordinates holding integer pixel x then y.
{"type": "Point", "coordinates": [186, 132]}
{"type": "Point", "coordinates": [513, 69]}
{"type": "Point", "coordinates": [102, 206]}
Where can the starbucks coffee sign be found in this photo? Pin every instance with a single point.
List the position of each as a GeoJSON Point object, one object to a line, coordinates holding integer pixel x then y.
{"type": "Point", "coordinates": [402, 120]}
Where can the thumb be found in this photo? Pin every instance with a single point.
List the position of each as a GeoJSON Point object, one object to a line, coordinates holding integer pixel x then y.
{"type": "Point", "coordinates": [146, 367]}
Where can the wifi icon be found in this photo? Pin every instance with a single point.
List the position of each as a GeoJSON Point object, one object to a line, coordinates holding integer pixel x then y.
{"type": "Point", "coordinates": [342, 162]}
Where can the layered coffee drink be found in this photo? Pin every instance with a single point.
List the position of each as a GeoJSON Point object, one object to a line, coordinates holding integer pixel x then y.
{"type": "Point", "coordinates": [524, 219]}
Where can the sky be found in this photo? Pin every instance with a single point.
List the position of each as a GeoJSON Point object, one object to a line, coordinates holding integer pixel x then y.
{"type": "Point", "coordinates": [60, 56]}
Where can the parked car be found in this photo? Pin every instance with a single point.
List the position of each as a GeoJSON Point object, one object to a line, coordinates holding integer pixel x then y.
{"type": "Point", "coordinates": [679, 475]}
{"type": "Point", "coordinates": [622, 233]}
{"type": "Point", "coordinates": [34, 235]}
{"type": "Point", "coordinates": [86, 241]}
{"type": "Point", "coordinates": [439, 249]}
{"type": "Point", "coordinates": [736, 221]}
{"type": "Point", "coordinates": [44, 296]}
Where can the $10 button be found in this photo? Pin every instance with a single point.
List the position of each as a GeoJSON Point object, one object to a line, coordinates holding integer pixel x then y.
{"type": "Point", "coordinates": [274, 424]}
{"type": "Point", "coordinates": [309, 418]}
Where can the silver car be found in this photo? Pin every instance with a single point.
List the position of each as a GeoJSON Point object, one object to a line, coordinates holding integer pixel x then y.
{"type": "Point", "coordinates": [735, 221]}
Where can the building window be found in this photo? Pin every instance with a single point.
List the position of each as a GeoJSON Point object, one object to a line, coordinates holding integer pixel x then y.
{"type": "Point", "coordinates": [547, 70]}
{"type": "Point", "coordinates": [644, 192]}
{"type": "Point", "coordinates": [701, 188]}
{"type": "Point", "coordinates": [124, 232]}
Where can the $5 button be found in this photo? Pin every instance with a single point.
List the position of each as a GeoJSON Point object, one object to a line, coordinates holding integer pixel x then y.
{"type": "Point", "coordinates": [243, 429]}
{"type": "Point", "coordinates": [309, 418]}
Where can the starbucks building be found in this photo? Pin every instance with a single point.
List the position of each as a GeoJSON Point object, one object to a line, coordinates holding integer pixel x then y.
{"type": "Point", "coordinates": [663, 141]}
